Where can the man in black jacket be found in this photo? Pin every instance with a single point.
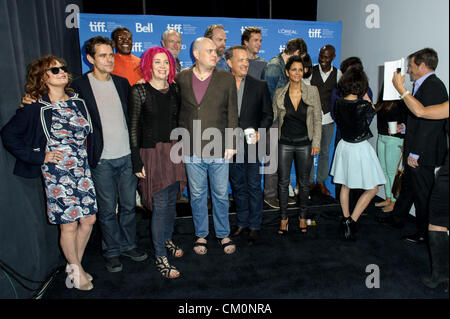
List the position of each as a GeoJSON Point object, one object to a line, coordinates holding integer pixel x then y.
{"type": "Point", "coordinates": [255, 112]}
{"type": "Point", "coordinates": [424, 146]}
{"type": "Point", "coordinates": [106, 97]}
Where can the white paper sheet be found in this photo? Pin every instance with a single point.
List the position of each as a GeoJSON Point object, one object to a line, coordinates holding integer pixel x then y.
{"type": "Point", "coordinates": [390, 93]}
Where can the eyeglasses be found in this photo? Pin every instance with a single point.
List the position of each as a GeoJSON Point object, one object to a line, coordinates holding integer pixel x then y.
{"type": "Point", "coordinates": [55, 69]}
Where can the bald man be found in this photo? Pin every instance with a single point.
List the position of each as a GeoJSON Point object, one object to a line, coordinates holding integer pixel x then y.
{"type": "Point", "coordinates": [208, 99]}
{"type": "Point", "coordinates": [325, 76]}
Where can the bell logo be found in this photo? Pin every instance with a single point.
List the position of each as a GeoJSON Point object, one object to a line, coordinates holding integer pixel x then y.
{"type": "Point", "coordinates": [146, 28]}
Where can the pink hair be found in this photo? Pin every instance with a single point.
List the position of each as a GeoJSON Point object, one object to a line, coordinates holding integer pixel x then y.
{"type": "Point", "coordinates": [147, 63]}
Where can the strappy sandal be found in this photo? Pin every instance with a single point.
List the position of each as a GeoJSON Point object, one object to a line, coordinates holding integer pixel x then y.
{"type": "Point", "coordinates": [199, 244]}
{"type": "Point", "coordinates": [304, 230]}
{"type": "Point", "coordinates": [176, 251]}
{"type": "Point", "coordinates": [283, 232]}
{"type": "Point", "coordinates": [165, 269]}
{"type": "Point", "coordinates": [69, 271]}
{"type": "Point", "coordinates": [225, 245]}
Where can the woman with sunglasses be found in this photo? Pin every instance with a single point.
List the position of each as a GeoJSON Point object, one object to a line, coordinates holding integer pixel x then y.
{"type": "Point", "coordinates": [50, 138]}
{"type": "Point", "coordinates": [153, 114]}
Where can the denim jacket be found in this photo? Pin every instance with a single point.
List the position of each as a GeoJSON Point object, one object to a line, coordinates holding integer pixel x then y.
{"type": "Point", "coordinates": [275, 74]}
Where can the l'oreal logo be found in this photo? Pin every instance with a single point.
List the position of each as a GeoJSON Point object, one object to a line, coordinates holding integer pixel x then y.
{"type": "Point", "coordinates": [287, 32]}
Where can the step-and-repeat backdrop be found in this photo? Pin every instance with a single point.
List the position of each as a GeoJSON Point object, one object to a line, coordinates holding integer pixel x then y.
{"type": "Point", "coordinates": [147, 31]}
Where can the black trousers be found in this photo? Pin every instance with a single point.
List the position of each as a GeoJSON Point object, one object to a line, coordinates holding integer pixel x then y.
{"type": "Point", "coordinates": [417, 184]}
{"type": "Point", "coordinates": [303, 162]}
{"type": "Point", "coordinates": [439, 201]}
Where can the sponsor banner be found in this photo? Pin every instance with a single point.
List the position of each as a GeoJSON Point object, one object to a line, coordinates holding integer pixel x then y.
{"type": "Point", "coordinates": [147, 31]}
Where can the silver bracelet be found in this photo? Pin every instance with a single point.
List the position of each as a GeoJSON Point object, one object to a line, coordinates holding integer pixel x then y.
{"type": "Point", "coordinates": [405, 94]}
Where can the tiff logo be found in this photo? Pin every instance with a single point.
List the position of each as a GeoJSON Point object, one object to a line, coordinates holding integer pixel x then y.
{"type": "Point", "coordinates": [314, 33]}
{"type": "Point", "coordinates": [176, 27]}
{"type": "Point", "coordinates": [282, 47]}
{"type": "Point", "coordinates": [137, 47]}
{"type": "Point", "coordinates": [96, 26]}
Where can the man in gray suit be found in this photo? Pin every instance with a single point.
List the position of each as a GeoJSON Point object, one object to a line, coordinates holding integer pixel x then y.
{"type": "Point", "coordinates": [208, 107]}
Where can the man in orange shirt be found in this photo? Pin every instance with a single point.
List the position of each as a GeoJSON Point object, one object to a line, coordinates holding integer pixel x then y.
{"type": "Point", "coordinates": [125, 64]}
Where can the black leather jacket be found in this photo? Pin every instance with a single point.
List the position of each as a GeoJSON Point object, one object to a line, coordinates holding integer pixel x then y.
{"type": "Point", "coordinates": [352, 117]}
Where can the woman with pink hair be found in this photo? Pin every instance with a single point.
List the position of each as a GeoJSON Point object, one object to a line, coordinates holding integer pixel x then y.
{"type": "Point", "coordinates": [153, 114]}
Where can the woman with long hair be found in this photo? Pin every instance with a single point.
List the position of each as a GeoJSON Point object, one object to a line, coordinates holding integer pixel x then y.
{"type": "Point", "coordinates": [153, 113]}
{"type": "Point", "coordinates": [298, 108]}
{"type": "Point", "coordinates": [389, 144]}
{"type": "Point", "coordinates": [50, 137]}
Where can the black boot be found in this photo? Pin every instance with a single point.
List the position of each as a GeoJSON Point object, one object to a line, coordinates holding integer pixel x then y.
{"type": "Point", "coordinates": [342, 225]}
{"type": "Point", "coordinates": [350, 229]}
{"type": "Point", "coordinates": [438, 242]}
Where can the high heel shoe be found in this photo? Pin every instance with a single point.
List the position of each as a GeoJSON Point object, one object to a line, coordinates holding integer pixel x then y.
{"type": "Point", "coordinates": [283, 232]}
{"type": "Point", "coordinates": [86, 287]}
{"type": "Point", "coordinates": [69, 271]}
{"type": "Point", "coordinates": [304, 230]}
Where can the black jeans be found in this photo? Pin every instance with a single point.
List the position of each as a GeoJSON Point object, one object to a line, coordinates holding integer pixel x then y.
{"type": "Point", "coordinates": [303, 162]}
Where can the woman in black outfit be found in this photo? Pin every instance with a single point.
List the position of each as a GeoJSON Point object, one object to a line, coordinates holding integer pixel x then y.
{"type": "Point", "coordinates": [153, 112]}
{"type": "Point", "coordinates": [297, 105]}
{"type": "Point", "coordinates": [355, 163]}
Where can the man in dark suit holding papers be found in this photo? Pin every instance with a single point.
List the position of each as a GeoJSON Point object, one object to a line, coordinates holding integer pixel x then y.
{"type": "Point", "coordinates": [424, 145]}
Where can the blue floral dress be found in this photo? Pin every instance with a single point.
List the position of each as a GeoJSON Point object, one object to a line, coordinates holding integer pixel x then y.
{"type": "Point", "coordinates": [68, 184]}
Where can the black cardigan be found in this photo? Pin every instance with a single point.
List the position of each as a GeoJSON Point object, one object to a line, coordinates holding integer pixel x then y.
{"type": "Point", "coordinates": [152, 116]}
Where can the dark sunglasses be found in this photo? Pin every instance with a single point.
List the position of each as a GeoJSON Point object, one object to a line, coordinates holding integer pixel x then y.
{"type": "Point", "coordinates": [55, 69]}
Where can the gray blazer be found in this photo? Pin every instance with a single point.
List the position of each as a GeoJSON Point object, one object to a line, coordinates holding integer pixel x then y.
{"type": "Point", "coordinates": [218, 110]}
{"type": "Point", "coordinates": [310, 95]}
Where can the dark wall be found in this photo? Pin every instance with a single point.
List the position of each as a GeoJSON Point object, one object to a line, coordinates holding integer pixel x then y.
{"type": "Point", "coordinates": [260, 9]}
{"type": "Point", "coordinates": [28, 243]}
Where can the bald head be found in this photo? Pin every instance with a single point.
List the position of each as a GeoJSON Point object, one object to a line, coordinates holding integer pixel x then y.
{"type": "Point", "coordinates": [198, 43]}
{"type": "Point", "coordinates": [326, 56]}
{"type": "Point", "coordinates": [204, 51]}
{"type": "Point", "coordinates": [329, 48]}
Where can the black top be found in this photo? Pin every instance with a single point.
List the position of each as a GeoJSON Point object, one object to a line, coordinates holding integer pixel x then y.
{"type": "Point", "coordinates": [397, 113]}
{"type": "Point", "coordinates": [352, 119]}
{"type": "Point", "coordinates": [153, 115]}
{"type": "Point", "coordinates": [294, 130]}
